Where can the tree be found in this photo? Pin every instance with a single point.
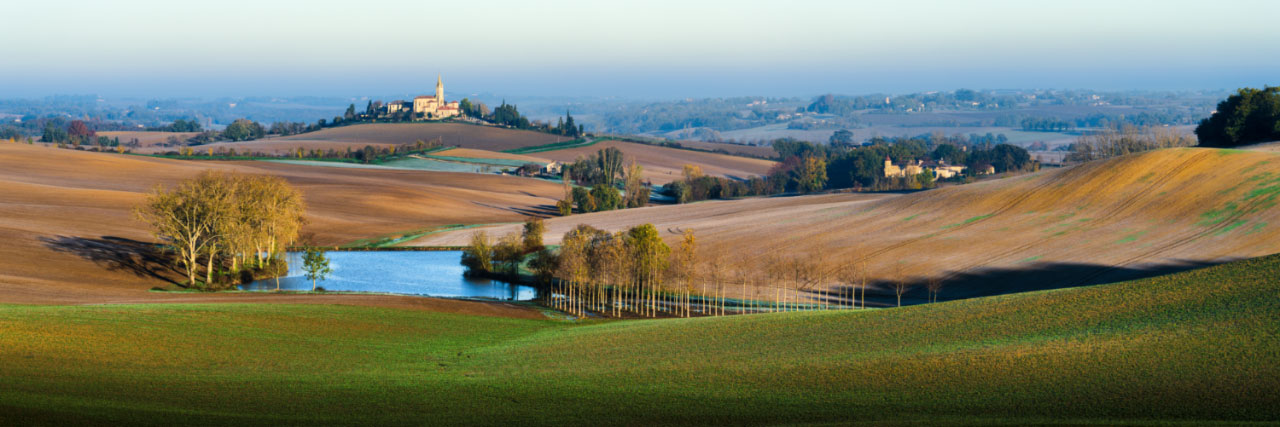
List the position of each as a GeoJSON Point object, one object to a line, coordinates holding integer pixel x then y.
{"type": "Point", "coordinates": [532, 235]}
{"type": "Point", "coordinates": [478, 257]}
{"type": "Point", "coordinates": [1248, 116]}
{"type": "Point", "coordinates": [350, 113]}
{"type": "Point", "coordinates": [812, 175]}
{"type": "Point", "coordinates": [934, 284]}
{"type": "Point", "coordinates": [606, 198]}
{"type": "Point", "coordinates": [649, 253]}
{"type": "Point", "coordinates": [637, 195]}
{"type": "Point", "coordinates": [78, 130]}
{"type": "Point", "coordinates": [315, 264]}
{"type": "Point", "coordinates": [565, 206]}
{"type": "Point", "coordinates": [582, 198]}
{"type": "Point", "coordinates": [544, 264]}
{"type": "Point", "coordinates": [850, 275]}
{"type": "Point", "coordinates": [509, 253]}
{"type": "Point", "coordinates": [899, 282]}
{"type": "Point", "coordinates": [187, 218]}
{"type": "Point", "coordinates": [244, 130]}
{"type": "Point", "coordinates": [686, 265]}
{"type": "Point", "coordinates": [691, 172]}
{"type": "Point", "coordinates": [842, 137]}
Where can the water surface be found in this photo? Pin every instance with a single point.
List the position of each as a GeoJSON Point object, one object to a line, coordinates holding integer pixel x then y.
{"type": "Point", "coordinates": [427, 273]}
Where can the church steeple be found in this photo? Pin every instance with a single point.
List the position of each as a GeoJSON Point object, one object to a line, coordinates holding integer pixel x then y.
{"type": "Point", "coordinates": [439, 90]}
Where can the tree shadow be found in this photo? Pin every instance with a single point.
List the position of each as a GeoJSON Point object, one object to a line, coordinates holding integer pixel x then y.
{"type": "Point", "coordinates": [143, 259]}
{"type": "Point", "coordinates": [542, 211]}
{"type": "Point", "coordinates": [999, 281]}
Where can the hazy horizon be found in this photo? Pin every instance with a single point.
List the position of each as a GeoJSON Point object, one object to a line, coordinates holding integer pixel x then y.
{"type": "Point", "coordinates": [659, 50]}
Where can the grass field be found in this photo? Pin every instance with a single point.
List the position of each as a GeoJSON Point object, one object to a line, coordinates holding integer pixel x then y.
{"type": "Point", "coordinates": [1105, 221]}
{"type": "Point", "coordinates": [1194, 347]}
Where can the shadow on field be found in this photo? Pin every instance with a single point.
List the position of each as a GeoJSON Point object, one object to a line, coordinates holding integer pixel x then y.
{"type": "Point", "coordinates": [997, 281]}
{"type": "Point", "coordinates": [541, 211]}
{"type": "Point", "coordinates": [118, 254]}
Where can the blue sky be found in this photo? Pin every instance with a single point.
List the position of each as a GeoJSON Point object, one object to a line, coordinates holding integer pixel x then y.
{"type": "Point", "coordinates": [645, 49]}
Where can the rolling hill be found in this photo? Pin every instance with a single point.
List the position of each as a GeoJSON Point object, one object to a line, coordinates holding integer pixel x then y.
{"type": "Point", "coordinates": [380, 135]}
{"type": "Point", "coordinates": [1196, 348]}
{"type": "Point", "coordinates": [663, 164]}
{"type": "Point", "coordinates": [1121, 218]}
{"type": "Point", "coordinates": [60, 208]}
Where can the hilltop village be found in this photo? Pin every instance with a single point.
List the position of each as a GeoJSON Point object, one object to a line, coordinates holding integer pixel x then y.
{"type": "Point", "coordinates": [424, 107]}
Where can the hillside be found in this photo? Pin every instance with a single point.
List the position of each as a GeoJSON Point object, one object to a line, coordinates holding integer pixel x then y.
{"type": "Point", "coordinates": [1110, 220]}
{"type": "Point", "coordinates": [387, 134]}
{"type": "Point", "coordinates": [455, 134]}
{"type": "Point", "coordinates": [60, 210]}
{"type": "Point", "coordinates": [1194, 347]}
{"type": "Point", "coordinates": [663, 165]}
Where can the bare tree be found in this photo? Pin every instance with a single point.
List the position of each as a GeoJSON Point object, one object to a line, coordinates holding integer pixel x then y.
{"type": "Point", "coordinates": [899, 282]}
{"type": "Point", "coordinates": [934, 284]}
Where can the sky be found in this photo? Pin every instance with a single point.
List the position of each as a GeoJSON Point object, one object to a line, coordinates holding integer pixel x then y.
{"type": "Point", "coordinates": [656, 49]}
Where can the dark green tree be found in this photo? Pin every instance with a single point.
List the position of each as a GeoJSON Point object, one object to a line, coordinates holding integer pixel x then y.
{"type": "Point", "coordinates": [316, 265]}
{"type": "Point", "coordinates": [1251, 115]}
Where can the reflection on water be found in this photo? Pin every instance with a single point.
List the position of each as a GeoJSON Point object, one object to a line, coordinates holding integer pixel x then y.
{"type": "Point", "coordinates": [431, 273]}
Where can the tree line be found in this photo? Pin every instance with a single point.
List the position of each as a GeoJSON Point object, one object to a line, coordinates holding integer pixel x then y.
{"type": "Point", "coordinates": [635, 273]}
{"type": "Point", "coordinates": [234, 227]}
{"type": "Point", "coordinates": [806, 167]}
{"type": "Point", "coordinates": [1113, 142]}
{"type": "Point", "coordinates": [368, 154]}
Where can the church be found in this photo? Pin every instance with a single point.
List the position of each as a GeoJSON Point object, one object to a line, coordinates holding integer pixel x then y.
{"type": "Point", "coordinates": [428, 107]}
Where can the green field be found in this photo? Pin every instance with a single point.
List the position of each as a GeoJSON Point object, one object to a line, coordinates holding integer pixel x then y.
{"type": "Point", "coordinates": [1192, 347]}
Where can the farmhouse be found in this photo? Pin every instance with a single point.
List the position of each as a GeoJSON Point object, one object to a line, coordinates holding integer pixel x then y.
{"type": "Point", "coordinates": [552, 169]}
{"type": "Point", "coordinates": [940, 169]}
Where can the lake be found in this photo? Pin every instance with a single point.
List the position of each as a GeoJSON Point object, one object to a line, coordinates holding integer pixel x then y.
{"type": "Point", "coordinates": [426, 273]}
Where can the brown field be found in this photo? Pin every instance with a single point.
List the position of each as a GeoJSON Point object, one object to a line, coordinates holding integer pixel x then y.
{"type": "Point", "coordinates": [736, 149]}
{"type": "Point", "coordinates": [386, 135]}
{"type": "Point", "coordinates": [455, 134]}
{"type": "Point", "coordinates": [63, 212]}
{"type": "Point", "coordinates": [663, 165]}
{"type": "Point", "coordinates": [145, 138]}
{"type": "Point", "coordinates": [1104, 221]}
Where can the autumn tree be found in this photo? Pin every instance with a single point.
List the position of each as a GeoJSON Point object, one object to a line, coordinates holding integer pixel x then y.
{"type": "Point", "coordinates": [812, 175]}
{"type": "Point", "coordinates": [220, 217]}
{"type": "Point", "coordinates": [686, 265]}
{"type": "Point", "coordinates": [478, 256]}
{"type": "Point", "coordinates": [532, 234]}
{"type": "Point", "coordinates": [637, 195]}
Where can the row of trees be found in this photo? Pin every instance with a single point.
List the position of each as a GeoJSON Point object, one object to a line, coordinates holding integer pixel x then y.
{"type": "Point", "coordinates": [634, 272]}
{"type": "Point", "coordinates": [225, 224]}
{"type": "Point", "coordinates": [1114, 142]}
{"type": "Point", "coordinates": [367, 154]}
{"type": "Point", "coordinates": [179, 125]}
